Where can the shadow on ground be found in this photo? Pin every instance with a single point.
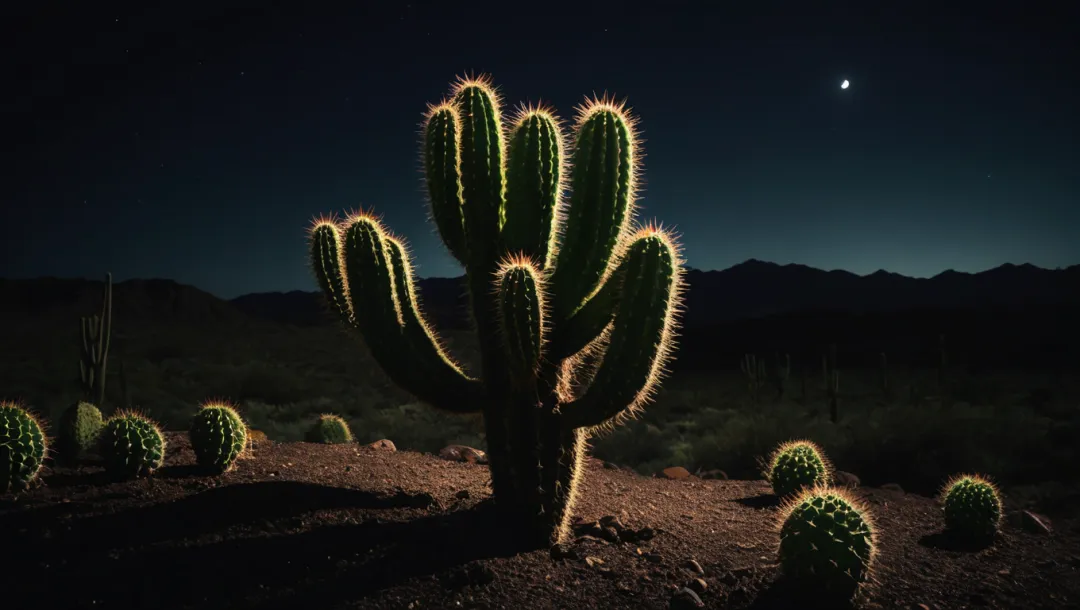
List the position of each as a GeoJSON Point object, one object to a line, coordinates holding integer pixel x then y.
{"type": "Point", "coordinates": [225, 548]}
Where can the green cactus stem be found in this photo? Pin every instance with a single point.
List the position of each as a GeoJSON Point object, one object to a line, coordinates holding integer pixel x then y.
{"type": "Point", "coordinates": [796, 465]}
{"type": "Point", "coordinates": [329, 429]}
{"type": "Point", "coordinates": [23, 446]}
{"type": "Point", "coordinates": [218, 436]}
{"type": "Point", "coordinates": [131, 445]}
{"type": "Point", "coordinates": [96, 334]}
{"type": "Point", "coordinates": [79, 428]}
{"type": "Point", "coordinates": [574, 305]}
{"type": "Point", "coordinates": [827, 545]}
{"type": "Point", "coordinates": [972, 507]}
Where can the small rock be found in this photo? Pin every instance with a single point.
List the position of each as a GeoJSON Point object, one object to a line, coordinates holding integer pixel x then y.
{"type": "Point", "coordinates": [610, 466]}
{"type": "Point", "coordinates": [686, 598]}
{"type": "Point", "coordinates": [591, 528]}
{"type": "Point", "coordinates": [698, 585]}
{"type": "Point", "coordinates": [1036, 523]}
{"type": "Point", "coordinates": [923, 607]}
{"type": "Point", "coordinates": [381, 445]}
{"type": "Point", "coordinates": [846, 479]}
{"type": "Point", "coordinates": [713, 474]}
{"type": "Point", "coordinates": [610, 534]}
{"type": "Point", "coordinates": [895, 487]}
{"type": "Point", "coordinates": [256, 437]}
{"type": "Point", "coordinates": [646, 534]}
{"type": "Point", "coordinates": [563, 551]}
{"type": "Point", "coordinates": [588, 538]}
{"type": "Point", "coordinates": [461, 453]}
{"type": "Point", "coordinates": [676, 473]}
{"type": "Point", "coordinates": [653, 557]}
{"type": "Point", "coordinates": [594, 562]}
{"type": "Point", "coordinates": [694, 567]}
{"type": "Point", "coordinates": [462, 495]}
{"type": "Point", "coordinates": [628, 535]}
{"type": "Point", "coordinates": [1004, 572]}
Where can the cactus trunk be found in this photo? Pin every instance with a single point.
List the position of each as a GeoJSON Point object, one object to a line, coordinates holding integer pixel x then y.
{"type": "Point", "coordinates": [573, 307]}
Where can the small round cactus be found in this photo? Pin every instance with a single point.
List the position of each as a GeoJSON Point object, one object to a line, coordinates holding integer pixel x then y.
{"type": "Point", "coordinates": [131, 445]}
{"type": "Point", "coordinates": [972, 507]}
{"type": "Point", "coordinates": [826, 542]}
{"type": "Point", "coordinates": [796, 465]}
{"type": "Point", "coordinates": [218, 436]}
{"type": "Point", "coordinates": [79, 428]}
{"type": "Point", "coordinates": [330, 429]}
{"type": "Point", "coordinates": [22, 447]}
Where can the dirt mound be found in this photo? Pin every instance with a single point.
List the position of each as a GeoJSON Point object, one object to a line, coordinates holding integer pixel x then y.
{"type": "Point", "coordinates": [318, 526]}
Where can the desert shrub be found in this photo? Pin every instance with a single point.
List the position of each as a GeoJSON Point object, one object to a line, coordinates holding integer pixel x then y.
{"type": "Point", "coordinates": [22, 447]}
{"type": "Point", "coordinates": [131, 445]}
{"type": "Point", "coordinates": [827, 542]}
{"type": "Point", "coordinates": [218, 436]}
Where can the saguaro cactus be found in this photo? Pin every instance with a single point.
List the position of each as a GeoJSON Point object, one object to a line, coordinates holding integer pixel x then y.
{"type": "Point", "coordinates": [96, 331]}
{"type": "Point", "coordinates": [574, 304]}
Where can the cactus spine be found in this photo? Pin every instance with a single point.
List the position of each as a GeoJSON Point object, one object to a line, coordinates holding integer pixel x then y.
{"type": "Point", "coordinates": [23, 445]}
{"type": "Point", "coordinates": [96, 333]}
{"type": "Point", "coordinates": [554, 283]}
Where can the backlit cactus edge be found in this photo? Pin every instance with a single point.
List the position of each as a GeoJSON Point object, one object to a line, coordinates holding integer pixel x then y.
{"type": "Point", "coordinates": [574, 304]}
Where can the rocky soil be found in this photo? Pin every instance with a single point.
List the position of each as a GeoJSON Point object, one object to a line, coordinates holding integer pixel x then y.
{"type": "Point", "coordinates": [311, 526]}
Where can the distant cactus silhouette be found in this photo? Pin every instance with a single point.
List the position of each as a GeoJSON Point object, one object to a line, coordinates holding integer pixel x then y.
{"type": "Point", "coordinates": [23, 446]}
{"type": "Point", "coordinates": [972, 507]}
{"type": "Point", "coordinates": [78, 431]}
{"type": "Point", "coordinates": [218, 436]}
{"type": "Point", "coordinates": [96, 334]}
{"type": "Point", "coordinates": [131, 445]}
{"type": "Point", "coordinates": [329, 429]}
{"type": "Point", "coordinates": [796, 465]}
{"type": "Point", "coordinates": [827, 544]}
{"type": "Point", "coordinates": [574, 306]}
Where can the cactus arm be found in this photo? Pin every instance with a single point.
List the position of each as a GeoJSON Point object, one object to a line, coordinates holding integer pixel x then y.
{"type": "Point", "coordinates": [521, 318]}
{"type": "Point", "coordinates": [640, 340]}
{"type": "Point", "coordinates": [482, 178]}
{"type": "Point", "coordinates": [573, 335]}
{"type": "Point", "coordinates": [355, 269]}
{"type": "Point", "coordinates": [533, 187]}
{"type": "Point", "coordinates": [443, 177]}
{"type": "Point", "coordinates": [600, 207]}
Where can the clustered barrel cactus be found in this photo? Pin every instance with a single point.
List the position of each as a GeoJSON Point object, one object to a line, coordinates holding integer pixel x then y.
{"type": "Point", "coordinates": [23, 446]}
{"type": "Point", "coordinates": [972, 507]}
{"type": "Point", "coordinates": [573, 303]}
{"type": "Point", "coordinates": [330, 429]}
{"type": "Point", "coordinates": [826, 542]}
{"type": "Point", "coordinates": [79, 428]}
{"type": "Point", "coordinates": [796, 465]}
{"type": "Point", "coordinates": [218, 436]}
{"type": "Point", "coordinates": [131, 445]}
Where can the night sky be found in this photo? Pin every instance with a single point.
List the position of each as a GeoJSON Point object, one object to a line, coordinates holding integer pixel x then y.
{"type": "Point", "coordinates": [197, 143]}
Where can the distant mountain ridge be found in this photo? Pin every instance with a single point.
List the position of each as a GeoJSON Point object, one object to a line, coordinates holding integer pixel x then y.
{"type": "Point", "coordinates": [749, 290]}
{"type": "Point", "coordinates": [755, 289]}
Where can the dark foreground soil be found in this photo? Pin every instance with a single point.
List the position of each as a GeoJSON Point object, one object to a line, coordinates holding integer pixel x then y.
{"type": "Point", "coordinates": [313, 526]}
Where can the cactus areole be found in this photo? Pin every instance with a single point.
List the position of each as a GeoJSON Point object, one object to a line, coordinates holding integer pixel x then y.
{"type": "Point", "coordinates": [573, 303]}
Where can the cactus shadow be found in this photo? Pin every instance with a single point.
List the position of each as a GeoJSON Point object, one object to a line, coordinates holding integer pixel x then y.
{"type": "Point", "coordinates": [242, 531]}
{"type": "Point", "coordinates": [949, 541]}
{"type": "Point", "coordinates": [764, 501]}
{"type": "Point", "coordinates": [783, 594]}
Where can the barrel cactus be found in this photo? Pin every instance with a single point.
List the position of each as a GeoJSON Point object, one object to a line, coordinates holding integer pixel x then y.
{"type": "Point", "coordinates": [796, 465]}
{"type": "Point", "coordinates": [79, 428]}
{"type": "Point", "coordinates": [972, 507]}
{"type": "Point", "coordinates": [574, 304]}
{"type": "Point", "coordinates": [23, 446]}
{"type": "Point", "coordinates": [131, 445]}
{"type": "Point", "coordinates": [329, 429]}
{"type": "Point", "coordinates": [827, 542]}
{"type": "Point", "coordinates": [218, 436]}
